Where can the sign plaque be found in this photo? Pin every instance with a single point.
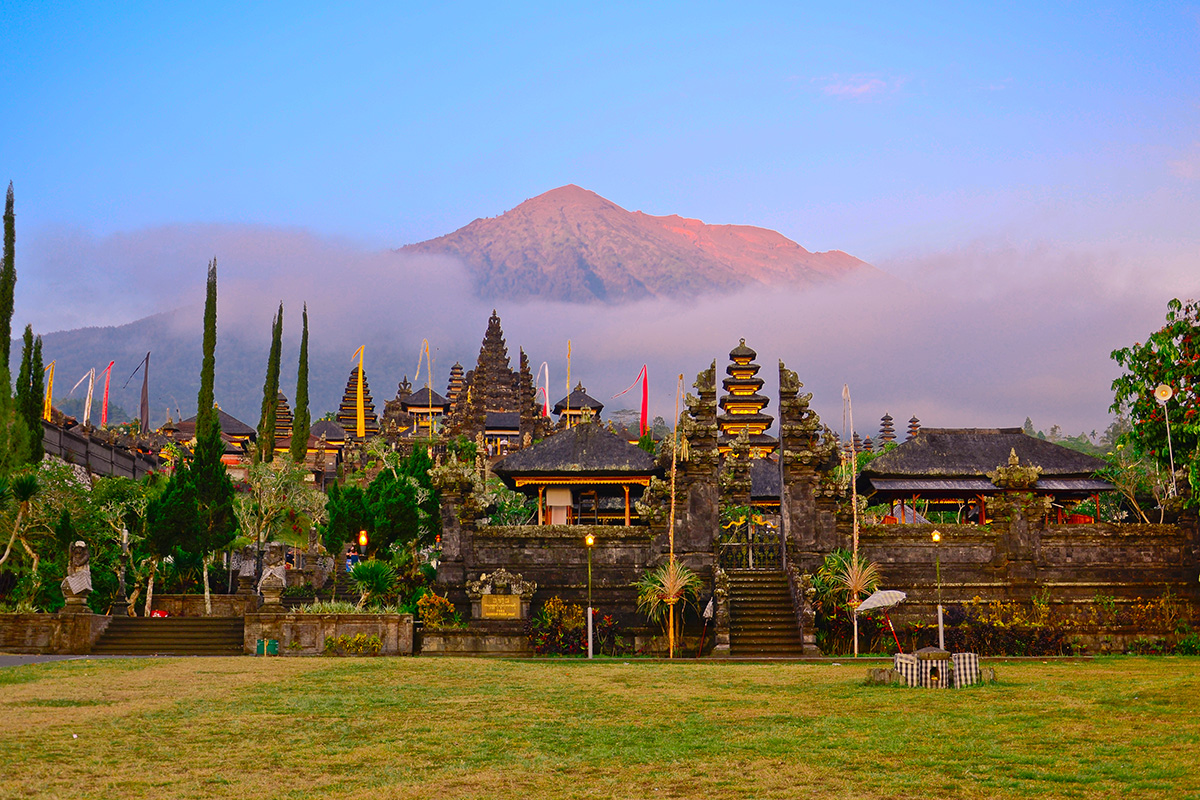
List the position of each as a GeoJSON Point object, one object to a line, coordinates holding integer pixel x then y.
{"type": "Point", "coordinates": [500, 606]}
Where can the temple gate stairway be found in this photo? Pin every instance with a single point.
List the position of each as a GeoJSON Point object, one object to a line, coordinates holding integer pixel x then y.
{"type": "Point", "coordinates": [174, 636]}
{"type": "Point", "coordinates": [762, 620]}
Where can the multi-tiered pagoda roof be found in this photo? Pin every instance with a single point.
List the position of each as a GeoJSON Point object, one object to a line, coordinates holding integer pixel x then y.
{"type": "Point", "coordinates": [742, 405]}
{"type": "Point", "coordinates": [347, 415]}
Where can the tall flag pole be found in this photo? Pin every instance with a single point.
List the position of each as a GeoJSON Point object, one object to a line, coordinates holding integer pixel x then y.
{"type": "Point", "coordinates": [361, 402]}
{"type": "Point", "coordinates": [49, 404]}
{"type": "Point", "coordinates": [567, 413]}
{"type": "Point", "coordinates": [144, 410]}
{"type": "Point", "coordinates": [544, 388]}
{"type": "Point", "coordinates": [643, 379]}
{"type": "Point", "coordinates": [90, 377]}
{"type": "Point", "coordinates": [104, 407]}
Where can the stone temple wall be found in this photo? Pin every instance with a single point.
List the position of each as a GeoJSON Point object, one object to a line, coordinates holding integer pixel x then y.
{"type": "Point", "coordinates": [1019, 559]}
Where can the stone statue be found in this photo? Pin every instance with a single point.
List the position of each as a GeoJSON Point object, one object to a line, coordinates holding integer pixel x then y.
{"type": "Point", "coordinates": [78, 583]}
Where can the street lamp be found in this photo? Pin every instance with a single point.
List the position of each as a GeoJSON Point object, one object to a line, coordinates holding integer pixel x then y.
{"type": "Point", "coordinates": [362, 543]}
{"type": "Point", "coordinates": [937, 544]}
{"type": "Point", "coordinates": [589, 540]}
{"type": "Point", "coordinates": [1162, 394]}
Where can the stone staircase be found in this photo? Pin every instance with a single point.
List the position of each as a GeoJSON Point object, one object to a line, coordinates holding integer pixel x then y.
{"type": "Point", "coordinates": [762, 621]}
{"type": "Point", "coordinates": [172, 636]}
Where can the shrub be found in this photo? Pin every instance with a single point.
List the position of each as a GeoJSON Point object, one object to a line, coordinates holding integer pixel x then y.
{"type": "Point", "coordinates": [360, 644]}
{"type": "Point", "coordinates": [437, 611]}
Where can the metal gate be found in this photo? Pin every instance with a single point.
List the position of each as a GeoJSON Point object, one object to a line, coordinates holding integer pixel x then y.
{"type": "Point", "coordinates": [750, 542]}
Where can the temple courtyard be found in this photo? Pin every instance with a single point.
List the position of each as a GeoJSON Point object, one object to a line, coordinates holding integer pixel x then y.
{"type": "Point", "coordinates": [483, 728]}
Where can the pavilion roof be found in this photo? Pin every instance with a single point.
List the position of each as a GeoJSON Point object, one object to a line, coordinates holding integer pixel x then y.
{"type": "Point", "coordinates": [333, 432]}
{"type": "Point", "coordinates": [229, 424]}
{"type": "Point", "coordinates": [585, 449]}
{"type": "Point", "coordinates": [424, 398]}
{"type": "Point", "coordinates": [577, 400]}
{"type": "Point", "coordinates": [954, 462]}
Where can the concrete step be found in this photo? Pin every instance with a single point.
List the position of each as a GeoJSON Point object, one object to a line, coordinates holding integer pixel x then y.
{"type": "Point", "coordinates": [172, 636]}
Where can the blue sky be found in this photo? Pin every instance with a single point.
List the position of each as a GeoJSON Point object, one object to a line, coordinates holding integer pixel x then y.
{"type": "Point", "coordinates": [867, 129]}
{"type": "Point", "coordinates": [1025, 140]}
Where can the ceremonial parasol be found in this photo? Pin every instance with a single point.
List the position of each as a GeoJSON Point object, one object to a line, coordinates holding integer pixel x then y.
{"type": "Point", "coordinates": [884, 600]}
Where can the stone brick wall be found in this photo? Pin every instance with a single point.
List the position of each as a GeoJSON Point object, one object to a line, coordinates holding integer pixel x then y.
{"type": "Point", "coordinates": [192, 605]}
{"type": "Point", "coordinates": [305, 634]}
{"type": "Point", "coordinates": [50, 633]}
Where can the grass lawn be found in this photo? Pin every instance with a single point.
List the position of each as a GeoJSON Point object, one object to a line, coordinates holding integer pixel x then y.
{"type": "Point", "coordinates": [448, 728]}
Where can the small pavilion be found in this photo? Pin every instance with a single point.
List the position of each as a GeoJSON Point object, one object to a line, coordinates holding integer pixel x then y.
{"type": "Point", "coordinates": [427, 409]}
{"type": "Point", "coordinates": [950, 465]}
{"type": "Point", "coordinates": [580, 475]}
{"type": "Point", "coordinates": [578, 406]}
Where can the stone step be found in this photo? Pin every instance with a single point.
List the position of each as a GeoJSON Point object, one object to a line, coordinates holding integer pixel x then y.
{"type": "Point", "coordinates": [172, 636]}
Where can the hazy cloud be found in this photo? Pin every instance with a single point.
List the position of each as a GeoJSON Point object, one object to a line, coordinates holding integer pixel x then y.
{"type": "Point", "coordinates": [983, 335]}
{"type": "Point", "coordinates": [858, 86]}
{"type": "Point", "coordinates": [1188, 167]}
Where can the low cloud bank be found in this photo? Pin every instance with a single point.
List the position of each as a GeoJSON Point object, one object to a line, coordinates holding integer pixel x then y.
{"type": "Point", "coordinates": [983, 335]}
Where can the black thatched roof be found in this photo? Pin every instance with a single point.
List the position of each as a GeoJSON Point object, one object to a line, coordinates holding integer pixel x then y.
{"type": "Point", "coordinates": [332, 431]}
{"type": "Point", "coordinates": [424, 398]}
{"type": "Point", "coordinates": [974, 452]}
{"type": "Point", "coordinates": [585, 449]}
{"type": "Point", "coordinates": [502, 421]}
{"type": "Point", "coordinates": [578, 399]}
{"type": "Point", "coordinates": [955, 461]}
{"type": "Point", "coordinates": [229, 424]}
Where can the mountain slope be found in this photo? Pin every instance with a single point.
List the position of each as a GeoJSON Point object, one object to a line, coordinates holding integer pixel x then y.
{"type": "Point", "coordinates": [571, 244]}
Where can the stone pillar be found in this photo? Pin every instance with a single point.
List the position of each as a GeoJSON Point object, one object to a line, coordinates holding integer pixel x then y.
{"type": "Point", "coordinates": [806, 503]}
{"type": "Point", "coordinates": [721, 620]}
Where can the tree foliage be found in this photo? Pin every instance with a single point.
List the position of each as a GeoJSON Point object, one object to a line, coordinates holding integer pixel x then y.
{"type": "Point", "coordinates": [1170, 356]}
{"type": "Point", "coordinates": [266, 424]}
{"type": "Point", "coordinates": [301, 420]}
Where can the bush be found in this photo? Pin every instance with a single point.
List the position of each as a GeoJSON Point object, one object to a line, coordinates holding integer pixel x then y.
{"type": "Point", "coordinates": [437, 611]}
{"type": "Point", "coordinates": [360, 644]}
{"type": "Point", "coordinates": [560, 628]}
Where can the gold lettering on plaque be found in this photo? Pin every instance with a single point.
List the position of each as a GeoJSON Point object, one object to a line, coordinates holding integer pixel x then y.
{"type": "Point", "coordinates": [500, 606]}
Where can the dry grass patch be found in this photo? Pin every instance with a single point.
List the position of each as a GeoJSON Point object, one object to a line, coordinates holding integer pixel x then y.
{"type": "Point", "coordinates": [402, 728]}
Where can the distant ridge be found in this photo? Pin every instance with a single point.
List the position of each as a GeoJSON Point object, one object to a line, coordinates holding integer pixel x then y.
{"type": "Point", "coordinates": [572, 244]}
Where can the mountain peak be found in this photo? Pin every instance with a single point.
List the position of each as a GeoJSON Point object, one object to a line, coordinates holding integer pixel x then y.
{"type": "Point", "coordinates": [572, 244]}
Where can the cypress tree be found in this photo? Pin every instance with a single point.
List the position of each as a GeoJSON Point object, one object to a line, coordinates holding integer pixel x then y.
{"type": "Point", "coordinates": [266, 422]}
{"type": "Point", "coordinates": [30, 394]}
{"type": "Point", "coordinates": [13, 436]}
{"type": "Point", "coordinates": [37, 403]}
{"type": "Point", "coordinates": [210, 483]}
{"type": "Point", "coordinates": [8, 283]}
{"type": "Point", "coordinates": [301, 421]}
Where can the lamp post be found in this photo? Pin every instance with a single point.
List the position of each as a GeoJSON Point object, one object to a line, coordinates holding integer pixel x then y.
{"type": "Point", "coordinates": [362, 543]}
{"type": "Point", "coordinates": [1162, 394]}
{"type": "Point", "coordinates": [937, 551]}
{"type": "Point", "coordinates": [589, 540]}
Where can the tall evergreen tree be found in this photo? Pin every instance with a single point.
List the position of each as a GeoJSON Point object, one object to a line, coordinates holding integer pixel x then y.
{"type": "Point", "coordinates": [30, 394]}
{"type": "Point", "coordinates": [37, 403]}
{"type": "Point", "coordinates": [301, 421]}
{"type": "Point", "coordinates": [13, 436]}
{"type": "Point", "coordinates": [266, 424]}
{"type": "Point", "coordinates": [8, 283]}
{"type": "Point", "coordinates": [213, 489]}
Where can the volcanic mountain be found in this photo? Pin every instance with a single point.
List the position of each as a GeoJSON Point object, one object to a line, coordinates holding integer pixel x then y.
{"type": "Point", "coordinates": [573, 245]}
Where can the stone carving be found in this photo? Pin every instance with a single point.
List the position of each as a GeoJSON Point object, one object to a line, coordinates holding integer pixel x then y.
{"type": "Point", "coordinates": [274, 564]}
{"type": "Point", "coordinates": [500, 582]}
{"type": "Point", "coordinates": [1015, 477]}
{"type": "Point", "coordinates": [78, 583]}
{"type": "Point", "coordinates": [271, 587]}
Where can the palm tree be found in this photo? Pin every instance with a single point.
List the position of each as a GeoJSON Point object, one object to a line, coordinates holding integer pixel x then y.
{"type": "Point", "coordinates": [22, 488]}
{"type": "Point", "coordinates": [661, 588]}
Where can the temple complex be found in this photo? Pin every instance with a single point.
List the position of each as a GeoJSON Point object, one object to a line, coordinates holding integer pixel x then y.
{"type": "Point", "coordinates": [347, 414]}
{"type": "Point", "coordinates": [742, 406]}
{"type": "Point", "coordinates": [495, 401]}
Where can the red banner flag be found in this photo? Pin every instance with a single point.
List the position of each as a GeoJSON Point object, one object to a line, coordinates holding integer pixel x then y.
{"type": "Point", "coordinates": [104, 408]}
{"type": "Point", "coordinates": [644, 378]}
